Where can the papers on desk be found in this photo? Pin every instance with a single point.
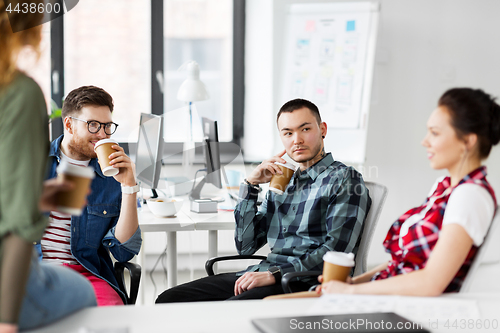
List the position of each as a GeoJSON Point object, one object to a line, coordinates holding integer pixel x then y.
{"type": "Point", "coordinates": [104, 330]}
{"type": "Point", "coordinates": [424, 310]}
{"type": "Point", "coordinates": [339, 304]}
{"type": "Point", "coordinates": [229, 203]}
{"type": "Point", "coordinates": [225, 207]}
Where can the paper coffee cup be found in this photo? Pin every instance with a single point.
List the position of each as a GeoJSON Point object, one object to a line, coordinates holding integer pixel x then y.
{"type": "Point", "coordinates": [337, 266]}
{"type": "Point", "coordinates": [279, 182]}
{"type": "Point", "coordinates": [103, 150]}
{"type": "Point", "coordinates": [72, 201]}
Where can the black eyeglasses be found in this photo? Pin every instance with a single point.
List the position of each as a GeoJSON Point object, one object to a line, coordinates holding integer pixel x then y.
{"type": "Point", "coordinates": [94, 126]}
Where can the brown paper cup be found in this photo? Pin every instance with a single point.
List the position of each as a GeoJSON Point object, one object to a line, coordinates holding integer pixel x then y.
{"type": "Point", "coordinates": [103, 150]}
{"type": "Point", "coordinates": [337, 266]}
{"type": "Point", "coordinates": [280, 182]}
{"type": "Point", "coordinates": [72, 201]}
{"type": "Point", "coordinates": [335, 272]}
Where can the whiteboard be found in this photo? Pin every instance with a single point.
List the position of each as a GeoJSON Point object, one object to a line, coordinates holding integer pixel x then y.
{"type": "Point", "coordinates": [329, 59]}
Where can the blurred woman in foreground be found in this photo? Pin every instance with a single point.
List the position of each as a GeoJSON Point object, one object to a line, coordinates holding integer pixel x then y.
{"type": "Point", "coordinates": [31, 293]}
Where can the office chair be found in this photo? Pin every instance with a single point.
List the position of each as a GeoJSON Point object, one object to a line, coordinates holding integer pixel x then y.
{"type": "Point", "coordinates": [210, 262]}
{"type": "Point", "coordinates": [135, 278]}
{"type": "Point", "coordinates": [378, 194]}
{"type": "Point", "coordinates": [480, 253]}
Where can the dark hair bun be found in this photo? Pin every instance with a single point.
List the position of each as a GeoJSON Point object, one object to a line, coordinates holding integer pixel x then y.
{"type": "Point", "coordinates": [474, 111]}
{"type": "Point", "coordinates": [494, 122]}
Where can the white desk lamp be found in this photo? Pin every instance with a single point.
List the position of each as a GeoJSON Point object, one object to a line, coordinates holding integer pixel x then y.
{"type": "Point", "coordinates": [191, 90]}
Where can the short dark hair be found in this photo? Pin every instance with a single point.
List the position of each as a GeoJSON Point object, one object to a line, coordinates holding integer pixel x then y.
{"type": "Point", "coordinates": [296, 104]}
{"type": "Point", "coordinates": [83, 96]}
{"type": "Point", "coordinates": [473, 111]}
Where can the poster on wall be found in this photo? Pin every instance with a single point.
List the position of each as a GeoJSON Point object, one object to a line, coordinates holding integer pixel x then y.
{"type": "Point", "coordinates": [326, 53]}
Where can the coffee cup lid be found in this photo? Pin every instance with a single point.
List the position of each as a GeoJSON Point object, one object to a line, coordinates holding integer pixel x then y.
{"type": "Point", "coordinates": [103, 141]}
{"type": "Point", "coordinates": [339, 258]}
{"type": "Point", "coordinates": [75, 170]}
{"type": "Point", "coordinates": [287, 165]}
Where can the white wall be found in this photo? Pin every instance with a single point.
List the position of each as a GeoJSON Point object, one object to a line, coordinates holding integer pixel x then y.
{"type": "Point", "coordinates": [424, 47]}
{"type": "Point", "coordinates": [259, 78]}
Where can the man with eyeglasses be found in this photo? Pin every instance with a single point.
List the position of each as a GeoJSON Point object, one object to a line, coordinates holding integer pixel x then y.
{"type": "Point", "coordinates": [109, 222]}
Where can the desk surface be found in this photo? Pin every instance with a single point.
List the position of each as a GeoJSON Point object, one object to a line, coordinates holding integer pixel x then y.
{"type": "Point", "coordinates": [229, 316]}
{"type": "Point", "coordinates": [186, 220]}
{"type": "Point", "coordinates": [150, 223]}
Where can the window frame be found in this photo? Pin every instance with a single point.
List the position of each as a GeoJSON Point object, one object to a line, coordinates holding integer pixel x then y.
{"type": "Point", "coordinates": [228, 149]}
{"type": "Point", "coordinates": [57, 69]}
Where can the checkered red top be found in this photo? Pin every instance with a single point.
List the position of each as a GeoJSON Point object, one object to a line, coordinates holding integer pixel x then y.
{"type": "Point", "coordinates": [423, 235]}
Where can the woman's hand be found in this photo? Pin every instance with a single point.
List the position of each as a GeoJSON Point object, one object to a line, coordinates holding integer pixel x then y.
{"type": "Point", "coordinates": [335, 287]}
{"type": "Point", "coordinates": [8, 328]}
{"type": "Point", "coordinates": [50, 190]}
{"type": "Point", "coordinates": [349, 280]}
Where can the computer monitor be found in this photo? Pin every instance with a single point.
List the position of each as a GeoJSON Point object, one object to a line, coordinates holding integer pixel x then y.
{"type": "Point", "coordinates": [150, 151]}
{"type": "Point", "coordinates": [212, 158]}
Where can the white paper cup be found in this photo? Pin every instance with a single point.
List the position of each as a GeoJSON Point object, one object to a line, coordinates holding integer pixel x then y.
{"type": "Point", "coordinates": [103, 150]}
{"type": "Point", "coordinates": [337, 266]}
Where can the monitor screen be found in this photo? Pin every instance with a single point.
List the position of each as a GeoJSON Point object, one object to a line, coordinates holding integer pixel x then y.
{"type": "Point", "coordinates": [211, 152]}
{"type": "Point", "coordinates": [149, 150]}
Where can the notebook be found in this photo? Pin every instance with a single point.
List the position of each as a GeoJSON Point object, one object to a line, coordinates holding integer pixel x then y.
{"type": "Point", "coordinates": [358, 322]}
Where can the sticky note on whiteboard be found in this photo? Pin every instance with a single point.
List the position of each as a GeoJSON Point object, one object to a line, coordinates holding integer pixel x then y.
{"type": "Point", "coordinates": [351, 26]}
{"type": "Point", "coordinates": [310, 26]}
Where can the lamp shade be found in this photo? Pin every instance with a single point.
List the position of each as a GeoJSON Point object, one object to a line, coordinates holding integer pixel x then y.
{"type": "Point", "coordinates": [192, 89]}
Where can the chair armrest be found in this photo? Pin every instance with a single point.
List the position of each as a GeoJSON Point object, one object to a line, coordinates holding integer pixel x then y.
{"type": "Point", "coordinates": [285, 279]}
{"type": "Point", "coordinates": [135, 278]}
{"type": "Point", "coordinates": [210, 262]}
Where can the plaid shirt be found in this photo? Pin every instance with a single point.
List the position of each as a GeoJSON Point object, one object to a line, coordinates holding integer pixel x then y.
{"type": "Point", "coordinates": [422, 236]}
{"type": "Point", "coordinates": [323, 209]}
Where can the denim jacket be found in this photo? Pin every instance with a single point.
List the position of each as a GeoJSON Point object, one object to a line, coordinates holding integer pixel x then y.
{"type": "Point", "coordinates": [93, 233]}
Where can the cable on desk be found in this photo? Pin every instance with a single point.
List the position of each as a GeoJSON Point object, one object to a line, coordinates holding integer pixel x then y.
{"type": "Point", "coordinates": [162, 255]}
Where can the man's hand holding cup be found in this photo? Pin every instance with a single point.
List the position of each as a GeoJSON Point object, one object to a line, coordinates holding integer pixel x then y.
{"type": "Point", "coordinates": [114, 162]}
{"type": "Point", "coordinates": [266, 170]}
{"type": "Point", "coordinates": [275, 170]}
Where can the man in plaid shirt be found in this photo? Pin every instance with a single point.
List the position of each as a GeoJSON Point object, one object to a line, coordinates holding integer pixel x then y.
{"type": "Point", "coordinates": [322, 209]}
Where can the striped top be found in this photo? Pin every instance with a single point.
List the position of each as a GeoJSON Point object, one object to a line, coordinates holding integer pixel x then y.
{"type": "Point", "coordinates": [56, 242]}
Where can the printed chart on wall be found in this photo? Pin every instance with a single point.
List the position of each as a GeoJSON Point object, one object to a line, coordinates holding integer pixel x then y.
{"type": "Point", "coordinates": [329, 56]}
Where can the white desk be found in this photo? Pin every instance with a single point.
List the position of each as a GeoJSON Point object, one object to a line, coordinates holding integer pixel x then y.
{"type": "Point", "coordinates": [185, 220]}
{"type": "Point", "coordinates": [223, 220]}
{"type": "Point", "coordinates": [150, 223]}
{"type": "Point", "coordinates": [220, 317]}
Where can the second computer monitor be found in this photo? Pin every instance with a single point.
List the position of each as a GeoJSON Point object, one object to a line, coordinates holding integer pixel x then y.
{"type": "Point", "coordinates": [212, 152]}
{"type": "Point", "coordinates": [149, 150]}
